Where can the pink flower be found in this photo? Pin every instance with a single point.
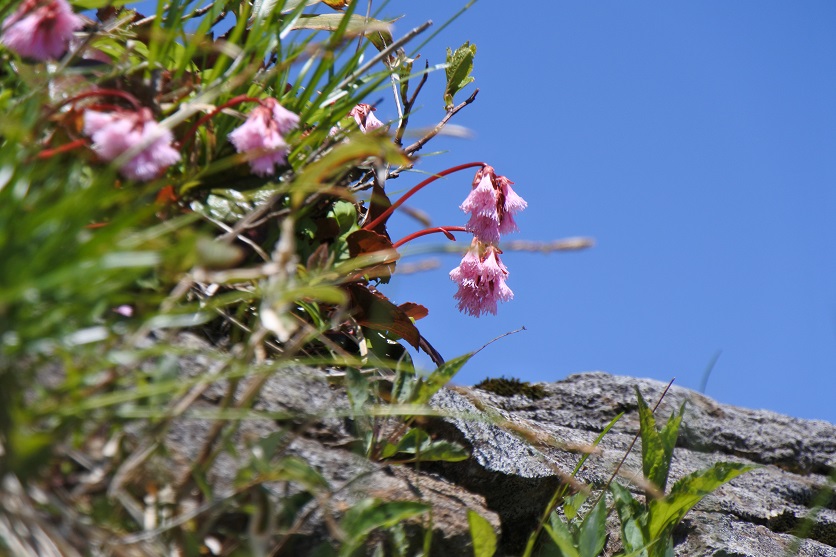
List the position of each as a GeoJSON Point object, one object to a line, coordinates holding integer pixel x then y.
{"type": "Point", "coordinates": [481, 204]}
{"type": "Point", "coordinates": [365, 118]}
{"type": "Point", "coordinates": [492, 204]}
{"type": "Point", "coordinates": [263, 133]}
{"type": "Point", "coordinates": [41, 29]}
{"type": "Point", "coordinates": [114, 133]}
{"type": "Point", "coordinates": [511, 203]}
{"type": "Point", "coordinates": [481, 278]}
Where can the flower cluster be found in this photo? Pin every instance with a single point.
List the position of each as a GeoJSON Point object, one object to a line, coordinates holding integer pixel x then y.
{"type": "Point", "coordinates": [115, 133]}
{"type": "Point", "coordinates": [481, 275]}
{"type": "Point", "coordinates": [492, 204]}
{"type": "Point", "coordinates": [41, 29]}
{"type": "Point", "coordinates": [263, 135]}
{"type": "Point", "coordinates": [364, 116]}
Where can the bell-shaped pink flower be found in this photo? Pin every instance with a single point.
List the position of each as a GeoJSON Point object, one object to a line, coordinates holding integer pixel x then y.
{"type": "Point", "coordinates": [481, 204]}
{"type": "Point", "coordinates": [263, 133]}
{"type": "Point", "coordinates": [481, 279]}
{"type": "Point", "coordinates": [511, 203]}
{"type": "Point", "coordinates": [364, 116]}
{"type": "Point", "coordinates": [41, 29]}
{"type": "Point", "coordinates": [492, 204]}
{"type": "Point", "coordinates": [114, 133]}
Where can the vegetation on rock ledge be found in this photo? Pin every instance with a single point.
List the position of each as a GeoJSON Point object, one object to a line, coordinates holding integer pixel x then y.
{"type": "Point", "coordinates": [504, 386]}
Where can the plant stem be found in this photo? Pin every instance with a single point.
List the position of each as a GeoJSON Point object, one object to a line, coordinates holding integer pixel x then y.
{"type": "Point", "coordinates": [47, 153]}
{"type": "Point", "coordinates": [446, 230]}
{"type": "Point", "coordinates": [228, 104]}
{"type": "Point", "coordinates": [385, 214]}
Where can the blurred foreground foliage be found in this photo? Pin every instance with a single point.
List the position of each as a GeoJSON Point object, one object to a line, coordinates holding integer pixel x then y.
{"type": "Point", "coordinates": [101, 274]}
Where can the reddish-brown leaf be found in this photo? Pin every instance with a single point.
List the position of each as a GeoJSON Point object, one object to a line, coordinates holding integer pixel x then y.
{"type": "Point", "coordinates": [372, 309]}
{"type": "Point", "coordinates": [326, 229]}
{"type": "Point", "coordinates": [413, 310]}
{"type": "Point", "coordinates": [378, 203]}
{"type": "Point", "coordinates": [363, 242]}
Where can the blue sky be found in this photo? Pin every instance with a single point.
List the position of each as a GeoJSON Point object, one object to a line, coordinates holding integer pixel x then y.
{"type": "Point", "coordinates": [695, 142]}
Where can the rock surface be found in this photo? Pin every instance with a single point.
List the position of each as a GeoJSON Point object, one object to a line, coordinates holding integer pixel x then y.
{"type": "Point", "coordinates": [749, 517]}
{"type": "Point", "coordinates": [521, 451]}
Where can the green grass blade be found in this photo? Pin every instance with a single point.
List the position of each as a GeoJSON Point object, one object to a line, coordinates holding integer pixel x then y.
{"type": "Point", "coordinates": [440, 377]}
{"type": "Point", "coordinates": [656, 453]}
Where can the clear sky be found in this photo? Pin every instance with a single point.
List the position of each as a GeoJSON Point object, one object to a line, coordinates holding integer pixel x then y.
{"type": "Point", "coordinates": [696, 142]}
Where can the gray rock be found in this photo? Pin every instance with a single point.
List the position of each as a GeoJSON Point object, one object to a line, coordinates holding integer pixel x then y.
{"type": "Point", "coordinates": [302, 399]}
{"type": "Point", "coordinates": [747, 517]}
{"type": "Point", "coordinates": [523, 450]}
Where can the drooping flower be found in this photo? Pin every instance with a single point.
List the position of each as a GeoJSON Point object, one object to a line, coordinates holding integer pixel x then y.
{"type": "Point", "coordinates": [263, 133]}
{"type": "Point", "coordinates": [492, 204]}
{"type": "Point", "coordinates": [41, 29]}
{"type": "Point", "coordinates": [114, 133]}
{"type": "Point", "coordinates": [481, 279]}
{"type": "Point", "coordinates": [364, 116]}
{"type": "Point", "coordinates": [481, 204]}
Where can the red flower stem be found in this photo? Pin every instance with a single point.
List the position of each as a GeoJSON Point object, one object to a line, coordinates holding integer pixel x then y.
{"type": "Point", "coordinates": [47, 153]}
{"type": "Point", "coordinates": [446, 230]}
{"type": "Point", "coordinates": [385, 214]}
{"type": "Point", "coordinates": [230, 103]}
{"type": "Point", "coordinates": [101, 93]}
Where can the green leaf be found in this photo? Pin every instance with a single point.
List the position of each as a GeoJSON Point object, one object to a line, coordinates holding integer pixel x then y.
{"type": "Point", "coordinates": [418, 443]}
{"type": "Point", "coordinates": [600, 436]}
{"type": "Point", "coordinates": [572, 504]}
{"type": "Point", "coordinates": [327, 294]}
{"type": "Point", "coordinates": [345, 213]}
{"type": "Point", "coordinates": [440, 377]}
{"type": "Point", "coordinates": [633, 517]}
{"type": "Point", "coordinates": [370, 514]}
{"type": "Point", "coordinates": [296, 469]}
{"type": "Point", "coordinates": [670, 432]}
{"type": "Point", "coordinates": [593, 530]}
{"type": "Point", "coordinates": [687, 492]}
{"type": "Point", "coordinates": [561, 536]}
{"type": "Point", "coordinates": [403, 64]}
{"type": "Point", "coordinates": [95, 4]}
{"type": "Point", "coordinates": [657, 448]}
{"type": "Point", "coordinates": [357, 388]}
{"type": "Point", "coordinates": [459, 66]}
{"type": "Point", "coordinates": [482, 534]}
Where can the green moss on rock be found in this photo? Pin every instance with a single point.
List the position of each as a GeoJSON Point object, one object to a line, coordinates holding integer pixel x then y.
{"type": "Point", "coordinates": [504, 386]}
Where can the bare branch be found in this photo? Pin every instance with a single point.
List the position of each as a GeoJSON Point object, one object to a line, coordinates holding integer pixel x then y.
{"type": "Point", "coordinates": [567, 244]}
{"type": "Point", "coordinates": [438, 127]}
{"type": "Point", "coordinates": [407, 109]}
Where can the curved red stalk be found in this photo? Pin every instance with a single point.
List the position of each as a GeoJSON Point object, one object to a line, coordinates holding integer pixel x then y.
{"type": "Point", "coordinates": [385, 214]}
{"type": "Point", "coordinates": [100, 93]}
{"type": "Point", "coordinates": [47, 153]}
{"type": "Point", "coordinates": [446, 230]}
{"type": "Point", "coordinates": [206, 117]}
